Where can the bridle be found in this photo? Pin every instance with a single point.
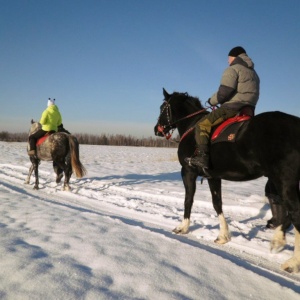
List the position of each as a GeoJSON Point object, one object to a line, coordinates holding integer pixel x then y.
{"type": "Point", "coordinates": [161, 128]}
{"type": "Point", "coordinates": [171, 125]}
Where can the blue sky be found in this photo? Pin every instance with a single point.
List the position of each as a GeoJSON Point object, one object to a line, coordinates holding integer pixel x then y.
{"type": "Point", "coordinates": [106, 61]}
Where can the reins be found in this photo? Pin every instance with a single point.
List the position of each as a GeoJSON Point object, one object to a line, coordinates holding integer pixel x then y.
{"type": "Point", "coordinates": [189, 116]}
{"type": "Point", "coordinates": [169, 135]}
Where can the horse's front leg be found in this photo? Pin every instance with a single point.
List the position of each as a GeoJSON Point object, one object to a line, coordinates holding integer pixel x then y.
{"type": "Point", "coordinates": [189, 177]}
{"type": "Point", "coordinates": [216, 193]}
{"type": "Point", "coordinates": [35, 164]}
{"type": "Point", "coordinates": [27, 181]}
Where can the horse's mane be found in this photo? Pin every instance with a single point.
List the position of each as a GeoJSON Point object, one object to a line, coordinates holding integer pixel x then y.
{"type": "Point", "coordinates": [195, 101]}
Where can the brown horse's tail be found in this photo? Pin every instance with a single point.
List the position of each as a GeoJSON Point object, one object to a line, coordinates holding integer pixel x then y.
{"type": "Point", "coordinates": [77, 166]}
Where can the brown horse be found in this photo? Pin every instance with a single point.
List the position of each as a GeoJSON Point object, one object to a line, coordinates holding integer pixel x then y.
{"type": "Point", "coordinates": [63, 150]}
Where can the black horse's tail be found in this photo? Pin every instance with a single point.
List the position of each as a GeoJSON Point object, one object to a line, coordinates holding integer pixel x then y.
{"type": "Point", "coordinates": [77, 166]}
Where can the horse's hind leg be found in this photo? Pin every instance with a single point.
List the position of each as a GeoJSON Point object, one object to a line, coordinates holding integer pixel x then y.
{"type": "Point", "coordinates": [68, 174]}
{"type": "Point", "coordinates": [291, 197]}
{"type": "Point", "coordinates": [35, 164]}
{"type": "Point", "coordinates": [58, 171]}
{"type": "Point", "coordinates": [279, 212]}
{"type": "Point", "coordinates": [67, 170]}
{"type": "Point", "coordinates": [293, 264]}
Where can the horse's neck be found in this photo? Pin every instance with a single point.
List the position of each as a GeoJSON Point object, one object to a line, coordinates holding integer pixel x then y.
{"type": "Point", "coordinates": [186, 125]}
{"type": "Point", "coordinates": [34, 128]}
{"type": "Point", "coordinates": [190, 121]}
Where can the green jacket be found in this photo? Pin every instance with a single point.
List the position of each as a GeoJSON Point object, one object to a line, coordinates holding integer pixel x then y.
{"type": "Point", "coordinates": [239, 85]}
{"type": "Point", "coordinates": [51, 118]}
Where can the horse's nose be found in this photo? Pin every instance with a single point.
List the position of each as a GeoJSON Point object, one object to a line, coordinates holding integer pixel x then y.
{"type": "Point", "coordinates": [158, 130]}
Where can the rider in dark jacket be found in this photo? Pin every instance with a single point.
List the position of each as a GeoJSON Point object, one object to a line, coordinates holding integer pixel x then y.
{"type": "Point", "coordinates": [239, 87]}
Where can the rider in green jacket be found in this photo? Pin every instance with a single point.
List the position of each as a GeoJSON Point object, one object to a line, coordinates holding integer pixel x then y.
{"type": "Point", "coordinates": [50, 120]}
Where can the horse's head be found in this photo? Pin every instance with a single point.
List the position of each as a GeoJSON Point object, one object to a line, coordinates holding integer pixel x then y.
{"type": "Point", "coordinates": [35, 126]}
{"type": "Point", "coordinates": [175, 108]}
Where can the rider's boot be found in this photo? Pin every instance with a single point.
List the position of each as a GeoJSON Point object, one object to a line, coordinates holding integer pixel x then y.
{"type": "Point", "coordinates": [32, 146]}
{"type": "Point", "coordinates": [32, 152]}
{"type": "Point", "coordinates": [200, 157]}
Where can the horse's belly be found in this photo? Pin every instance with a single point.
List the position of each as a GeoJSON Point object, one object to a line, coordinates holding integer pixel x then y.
{"type": "Point", "coordinates": [44, 153]}
{"type": "Point", "coordinates": [239, 177]}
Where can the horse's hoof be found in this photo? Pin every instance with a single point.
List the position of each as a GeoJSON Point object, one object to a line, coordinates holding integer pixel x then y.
{"type": "Point", "coordinates": [183, 227]}
{"type": "Point", "coordinates": [277, 245]}
{"type": "Point", "coordinates": [222, 240]}
{"type": "Point", "coordinates": [66, 189]}
{"type": "Point", "coordinates": [179, 231]}
{"type": "Point", "coordinates": [292, 265]}
{"type": "Point", "coordinates": [35, 187]}
{"type": "Point", "coordinates": [176, 230]}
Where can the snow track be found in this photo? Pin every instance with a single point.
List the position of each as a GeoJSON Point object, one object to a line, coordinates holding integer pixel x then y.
{"type": "Point", "coordinates": [150, 197]}
{"type": "Point", "coordinates": [153, 212]}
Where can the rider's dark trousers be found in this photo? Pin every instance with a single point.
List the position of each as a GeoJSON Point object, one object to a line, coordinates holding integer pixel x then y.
{"type": "Point", "coordinates": [216, 117]}
{"type": "Point", "coordinates": [34, 137]}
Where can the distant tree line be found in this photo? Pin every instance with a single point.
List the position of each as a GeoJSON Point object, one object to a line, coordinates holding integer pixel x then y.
{"type": "Point", "coordinates": [13, 137]}
{"type": "Point", "coordinates": [102, 139]}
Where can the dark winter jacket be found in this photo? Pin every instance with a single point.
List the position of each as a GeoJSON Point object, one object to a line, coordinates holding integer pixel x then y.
{"type": "Point", "coordinates": [239, 85]}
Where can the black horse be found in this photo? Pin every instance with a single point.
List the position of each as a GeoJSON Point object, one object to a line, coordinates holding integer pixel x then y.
{"type": "Point", "coordinates": [266, 145]}
{"type": "Point", "coordinates": [61, 148]}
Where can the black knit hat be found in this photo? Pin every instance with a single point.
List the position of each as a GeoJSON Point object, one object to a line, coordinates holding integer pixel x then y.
{"type": "Point", "coordinates": [236, 51]}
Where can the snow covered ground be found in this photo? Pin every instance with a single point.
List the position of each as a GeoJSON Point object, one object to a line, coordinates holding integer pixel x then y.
{"type": "Point", "coordinates": [111, 237]}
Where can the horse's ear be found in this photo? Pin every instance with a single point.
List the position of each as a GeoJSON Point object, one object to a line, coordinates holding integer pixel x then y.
{"type": "Point", "coordinates": [166, 95]}
{"type": "Point", "coordinates": [32, 121]}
